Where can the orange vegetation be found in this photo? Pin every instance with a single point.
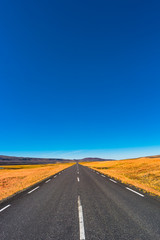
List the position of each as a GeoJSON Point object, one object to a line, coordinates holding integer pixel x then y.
{"type": "Point", "coordinates": [14, 178]}
{"type": "Point", "coordinates": [143, 173]}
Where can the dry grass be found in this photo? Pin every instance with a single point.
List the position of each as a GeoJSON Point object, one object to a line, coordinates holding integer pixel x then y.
{"type": "Point", "coordinates": [143, 173]}
{"type": "Point", "coordinates": [16, 178]}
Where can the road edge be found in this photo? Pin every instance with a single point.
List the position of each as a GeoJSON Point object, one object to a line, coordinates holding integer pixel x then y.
{"type": "Point", "coordinates": [140, 190]}
{"type": "Point", "coordinates": [21, 192]}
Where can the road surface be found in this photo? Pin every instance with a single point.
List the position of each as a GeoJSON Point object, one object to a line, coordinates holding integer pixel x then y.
{"type": "Point", "coordinates": [80, 204]}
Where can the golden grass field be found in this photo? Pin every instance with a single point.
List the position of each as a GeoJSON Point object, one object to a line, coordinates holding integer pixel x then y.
{"type": "Point", "coordinates": [14, 178]}
{"type": "Point", "coordinates": [143, 173]}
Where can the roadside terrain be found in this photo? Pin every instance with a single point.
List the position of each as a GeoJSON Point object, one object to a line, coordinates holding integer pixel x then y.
{"type": "Point", "coordinates": [143, 173]}
{"type": "Point", "coordinates": [15, 178]}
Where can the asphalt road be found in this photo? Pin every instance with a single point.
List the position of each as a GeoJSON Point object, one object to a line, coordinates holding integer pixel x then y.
{"type": "Point", "coordinates": [80, 204]}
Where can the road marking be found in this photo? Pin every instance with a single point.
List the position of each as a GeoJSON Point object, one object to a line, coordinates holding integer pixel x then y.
{"type": "Point", "coordinates": [78, 179]}
{"type": "Point", "coordinates": [77, 172]}
{"type": "Point", "coordinates": [112, 180]}
{"type": "Point", "coordinates": [77, 168]}
{"type": "Point", "coordinates": [103, 176]}
{"type": "Point", "coordinates": [97, 172]}
{"type": "Point", "coordinates": [48, 181]}
{"type": "Point", "coordinates": [81, 222]}
{"type": "Point", "coordinates": [55, 176]}
{"type": "Point", "coordinates": [33, 190]}
{"type": "Point", "coordinates": [5, 207]}
{"type": "Point", "coordinates": [135, 192]}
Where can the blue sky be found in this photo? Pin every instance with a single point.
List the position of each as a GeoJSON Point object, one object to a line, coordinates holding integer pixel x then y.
{"type": "Point", "coordinates": [80, 78]}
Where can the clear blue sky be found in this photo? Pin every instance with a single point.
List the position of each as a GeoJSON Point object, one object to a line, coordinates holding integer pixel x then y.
{"type": "Point", "coordinates": [79, 77]}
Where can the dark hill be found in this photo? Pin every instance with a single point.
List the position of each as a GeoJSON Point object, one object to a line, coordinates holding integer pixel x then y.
{"type": "Point", "coordinates": [90, 159]}
{"type": "Point", "coordinates": [7, 160]}
{"type": "Point", "coordinates": [12, 160]}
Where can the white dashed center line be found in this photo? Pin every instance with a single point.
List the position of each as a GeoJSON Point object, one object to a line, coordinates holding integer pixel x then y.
{"type": "Point", "coordinates": [135, 192]}
{"type": "Point", "coordinates": [78, 179]}
{"type": "Point", "coordinates": [2, 209]}
{"type": "Point", "coordinates": [81, 222]}
{"type": "Point", "coordinates": [33, 190]}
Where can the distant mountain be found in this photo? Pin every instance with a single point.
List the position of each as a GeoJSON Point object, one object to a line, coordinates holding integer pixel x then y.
{"type": "Point", "coordinates": [5, 160]}
{"type": "Point", "coordinates": [12, 160]}
{"type": "Point", "coordinates": [90, 159]}
{"type": "Point", "coordinates": [155, 156]}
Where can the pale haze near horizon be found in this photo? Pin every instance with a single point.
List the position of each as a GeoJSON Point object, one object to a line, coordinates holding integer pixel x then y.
{"type": "Point", "coordinates": [116, 154]}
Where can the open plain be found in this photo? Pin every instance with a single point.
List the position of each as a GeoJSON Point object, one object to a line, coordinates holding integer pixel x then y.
{"type": "Point", "coordinates": [15, 178]}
